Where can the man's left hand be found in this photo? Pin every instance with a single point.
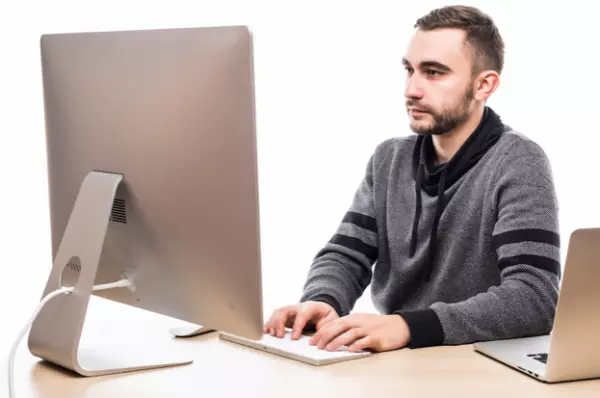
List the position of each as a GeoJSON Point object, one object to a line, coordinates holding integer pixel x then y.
{"type": "Point", "coordinates": [363, 331]}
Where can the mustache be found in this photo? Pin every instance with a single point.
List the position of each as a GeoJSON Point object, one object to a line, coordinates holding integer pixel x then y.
{"type": "Point", "coordinates": [413, 104]}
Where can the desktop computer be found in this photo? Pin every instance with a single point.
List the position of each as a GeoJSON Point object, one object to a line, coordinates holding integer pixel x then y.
{"type": "Point", "coordinates": [153, 179]}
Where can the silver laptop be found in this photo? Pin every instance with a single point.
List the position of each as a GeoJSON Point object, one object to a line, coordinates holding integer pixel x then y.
{"type": "Point", "coordinates": [572, 350]}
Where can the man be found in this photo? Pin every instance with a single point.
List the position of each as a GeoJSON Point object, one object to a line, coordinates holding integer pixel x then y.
{"type": "Point", "coordinates": [455, 227]}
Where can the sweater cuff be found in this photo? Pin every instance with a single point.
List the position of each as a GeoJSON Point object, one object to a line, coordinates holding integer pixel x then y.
{"type": "Point", "coordinates": [325, 298]}
{"type": "Point", "coordinates": [425, 327]}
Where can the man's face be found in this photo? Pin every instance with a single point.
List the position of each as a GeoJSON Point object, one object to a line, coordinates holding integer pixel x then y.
{"type": "Point", "coordinates": [439, 81]}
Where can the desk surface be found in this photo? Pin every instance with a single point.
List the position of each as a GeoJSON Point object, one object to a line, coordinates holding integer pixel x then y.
{"type": "Point", "coordinates": [227, 369]}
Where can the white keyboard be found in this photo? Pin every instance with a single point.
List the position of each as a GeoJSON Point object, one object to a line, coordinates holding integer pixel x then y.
{"type": "Point", "coordinates": [299, 350]}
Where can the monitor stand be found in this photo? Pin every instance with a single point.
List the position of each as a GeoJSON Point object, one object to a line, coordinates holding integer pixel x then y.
{"type": "Point", "coordinates": [190, 331]}
{"type": "Point", "coordinates": [56, 331]}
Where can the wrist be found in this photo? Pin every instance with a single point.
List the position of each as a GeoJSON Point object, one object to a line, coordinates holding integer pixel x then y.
{"type": "Point", "coordinates": [329, 300]}
{"type": "Point", "coordinates": [402, 326]}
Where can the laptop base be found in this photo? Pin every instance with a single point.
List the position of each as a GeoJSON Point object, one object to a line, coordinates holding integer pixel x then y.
{"type": "Point", "coordinates": [528, 354]}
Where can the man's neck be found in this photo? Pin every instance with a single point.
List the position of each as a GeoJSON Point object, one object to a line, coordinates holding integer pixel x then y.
{"type": "Point", "coordinates": [446, 145]}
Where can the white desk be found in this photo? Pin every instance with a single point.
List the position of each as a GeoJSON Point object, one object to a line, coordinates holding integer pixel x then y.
{"type": "Point", "coordinates": [228, 370]}
{"type": "Point", "coordinates": [224, 369]}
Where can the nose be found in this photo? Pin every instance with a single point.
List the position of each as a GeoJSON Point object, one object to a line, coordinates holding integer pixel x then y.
{"type": "Point", "coordinates": [413, 88]}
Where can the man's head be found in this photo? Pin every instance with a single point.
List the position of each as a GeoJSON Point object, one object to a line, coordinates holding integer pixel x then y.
{"type": "Point", "coordinates": [453, 64]}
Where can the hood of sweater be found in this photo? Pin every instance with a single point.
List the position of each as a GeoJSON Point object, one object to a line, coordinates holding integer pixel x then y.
{"type": "Point", "coordinates": [435, 179]}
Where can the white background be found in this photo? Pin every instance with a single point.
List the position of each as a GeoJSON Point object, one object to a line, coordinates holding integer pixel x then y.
{"type": "Point", "coordinates": [329, 88]}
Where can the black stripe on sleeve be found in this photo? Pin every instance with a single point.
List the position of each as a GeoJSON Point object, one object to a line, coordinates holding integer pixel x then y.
{"type": "Point", "coordinates": [540, 262]}
{"type": "Point", "coordinates": [361, 220]}
{"type": "Point", "coordinates": [527, 235]}
{"type": "Point", "coordinates": [355, 244]}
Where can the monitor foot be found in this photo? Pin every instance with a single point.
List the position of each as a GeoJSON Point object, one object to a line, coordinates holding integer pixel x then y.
{"type": "Point", "coordinates": [57, 328]}
{"type": "Point", "coordinates": [96, 362]}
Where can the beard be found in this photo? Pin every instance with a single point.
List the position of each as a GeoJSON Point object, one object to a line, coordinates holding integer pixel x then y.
{"type": "Point", "coordinates": [444, 120]}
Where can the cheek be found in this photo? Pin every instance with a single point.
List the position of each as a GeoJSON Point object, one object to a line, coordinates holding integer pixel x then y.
{"type": "Point", "coordinates": [443, 94]}
{"type": "Point", "coordinates": [438, 95]}
{"type": "Point", "coordinates": [448, 99]}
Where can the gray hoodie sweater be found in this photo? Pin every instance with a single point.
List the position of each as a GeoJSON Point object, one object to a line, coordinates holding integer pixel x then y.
{"type": "Point", "coordinates": [466, 251]}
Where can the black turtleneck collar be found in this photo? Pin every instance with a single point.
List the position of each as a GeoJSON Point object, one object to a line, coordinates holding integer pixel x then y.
{"type": "Point", "coordinates": [434, 179]}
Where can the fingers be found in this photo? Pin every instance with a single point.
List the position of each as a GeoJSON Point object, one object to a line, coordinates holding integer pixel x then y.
{"type": "Point", "coordinates": [346, 338]}
{"type": "Point", "coordinates": [330, 331]}
{"type": "Point", "coordinates": [275, 326]}
{"type": "Point", "coordinates": [361, 344]}
{"type": "Point", "coordinates": [269, 324]}
{"type": "Point", "coordinates": [297, 317]}
{"type": "Point", "coordinates": [281, 321]}
{"type": "Point", "coordinates": [268, 328]}
{"type": "Point", "coordinates": [302, 318]}
{"type": "Point", "coordinates": [326, 319]}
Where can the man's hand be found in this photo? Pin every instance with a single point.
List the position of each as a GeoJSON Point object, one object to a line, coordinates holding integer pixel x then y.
{"type": "Point", "coordinates": [298, 316]}
{"type": "Point", "coordinates": [363, 331]}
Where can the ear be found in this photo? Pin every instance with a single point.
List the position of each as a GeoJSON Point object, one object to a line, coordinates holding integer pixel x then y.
{"type": "Point", "coordinates": [485, 84]}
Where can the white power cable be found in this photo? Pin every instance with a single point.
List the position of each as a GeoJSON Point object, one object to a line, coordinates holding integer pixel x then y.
{"type": "Point", "coordinates": [43, 302]}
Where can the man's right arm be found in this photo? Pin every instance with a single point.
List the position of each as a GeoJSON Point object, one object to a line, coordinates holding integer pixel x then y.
{"type": "Point", "coordinates": [342, 269]}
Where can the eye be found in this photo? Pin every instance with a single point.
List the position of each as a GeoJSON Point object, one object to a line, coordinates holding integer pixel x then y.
{"type": "Point", "coordinates": [433, 72]}
{"type": "Point", "coordinates": [408, 69]}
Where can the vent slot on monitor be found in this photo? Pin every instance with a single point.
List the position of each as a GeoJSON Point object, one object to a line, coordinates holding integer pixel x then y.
{"type": "Point", "coordinates": [74, 265]}
{"type": "Point", "coordinates": [119, 211]}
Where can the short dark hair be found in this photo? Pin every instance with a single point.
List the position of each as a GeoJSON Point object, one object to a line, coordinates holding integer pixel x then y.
{"type": "Point", "coordinates": [482, 35]}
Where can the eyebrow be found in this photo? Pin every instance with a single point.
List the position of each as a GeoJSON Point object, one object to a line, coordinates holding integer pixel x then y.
{"type": "Point", "coordinates": [429, 64]}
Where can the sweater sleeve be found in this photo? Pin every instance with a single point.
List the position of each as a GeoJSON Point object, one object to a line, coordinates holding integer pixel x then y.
{"type": "Point", "coordinates": [342, 269]}
{"type": "Point", "coordinates": [527, 244]}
